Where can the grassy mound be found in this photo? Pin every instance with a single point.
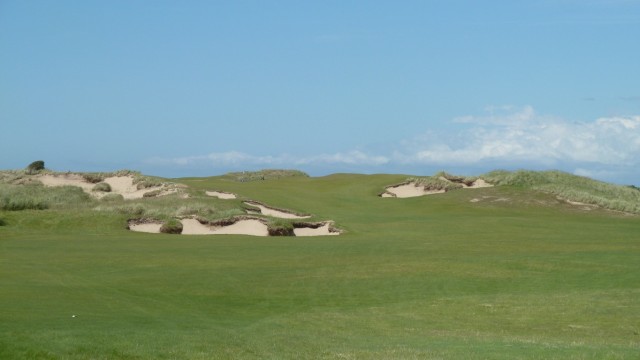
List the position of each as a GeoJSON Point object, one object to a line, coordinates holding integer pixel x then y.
{"type": "Point", "coordinates": [572, 187]}
{"type": "Point", "coordinates": [266, 174]}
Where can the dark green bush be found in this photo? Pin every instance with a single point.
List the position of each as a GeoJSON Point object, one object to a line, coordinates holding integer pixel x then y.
{"type": "Point", "coordinates": [2, 222]}
{"type": "Point", "coordinates": [35, 167]}
{"type": "Point", "coordinates": [172, 226]}
{"type": "Point", "coordinates": [103, 187]}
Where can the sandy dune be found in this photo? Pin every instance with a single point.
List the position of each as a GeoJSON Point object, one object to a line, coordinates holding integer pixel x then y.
{"type": "Point", "coordinates": [264, 210]}
{"type": "Point", "coordinates": [221, 195]}
{"type": "Point", "coordinates": [122, 185]}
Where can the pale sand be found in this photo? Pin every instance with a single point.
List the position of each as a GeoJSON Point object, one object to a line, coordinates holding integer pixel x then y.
{"type": "Point", "coordinates": [411, 190]}
{"type": "Point", "coordinates": [480, 183]}
{"type": "Point", "coordinates": [122, 185]}
{"type": "Point", "coordinates": [275, 213]}
{"type": "Point", "coordinates": [148, 227]}
{"type": "Point", "coordinates": [241, 227]}
{"type": "Point", "coordinates": [221, 195]}
{"type": "Point", "coordinates": [321, 231]}
{"type": "Point", "coordinates": [66, 180]}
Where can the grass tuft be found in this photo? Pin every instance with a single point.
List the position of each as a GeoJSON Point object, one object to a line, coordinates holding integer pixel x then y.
{"type": "Point", "coordinates": [102, 187]}
{"type": "Point", "coordinates": [171, 226]}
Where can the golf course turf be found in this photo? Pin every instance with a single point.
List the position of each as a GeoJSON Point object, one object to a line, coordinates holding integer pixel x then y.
{"type": "Point", "coordinates": [503, 272]}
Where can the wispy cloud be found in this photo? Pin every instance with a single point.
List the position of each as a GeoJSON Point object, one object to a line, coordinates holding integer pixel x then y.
{"type": "Point", "coordinates": [503, 136]}
{"type": "Point", "coordinates": [236, 158]}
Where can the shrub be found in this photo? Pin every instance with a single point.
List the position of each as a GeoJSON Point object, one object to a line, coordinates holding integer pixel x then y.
{"type": "Point", "coordinates": [103, 187]}
{"type": "Point", "coordinates": [172, 226]}
{"type": "Point", "coordinates": [35, 167]}
{"type": "Point", "coordinates": [2, 222]}
{"type": "Point", "coordinates": [152, 193]}
{"type": "Point", "coordinates": [93, 178]}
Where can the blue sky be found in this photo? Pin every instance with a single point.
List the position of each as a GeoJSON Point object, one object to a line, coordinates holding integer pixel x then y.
{"type": "Point", "coordinates": [193, 88]}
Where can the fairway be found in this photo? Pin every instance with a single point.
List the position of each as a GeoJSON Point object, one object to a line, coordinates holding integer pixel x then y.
{"type": "Point", "coordinates": [498, 272]}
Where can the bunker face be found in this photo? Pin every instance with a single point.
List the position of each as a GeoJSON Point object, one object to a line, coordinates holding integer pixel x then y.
{"type": "Point", "coordinates": [240, 227]}
{"type": "Point", "coordinates": [320, 231]}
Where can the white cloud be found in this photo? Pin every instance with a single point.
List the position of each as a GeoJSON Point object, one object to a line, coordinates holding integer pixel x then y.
{"type": "Point", "coordinates": [524, 136]}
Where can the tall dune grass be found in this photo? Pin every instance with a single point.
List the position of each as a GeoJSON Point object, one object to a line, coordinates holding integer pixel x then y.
{"type": "Point", "coordinates": [38, 197]}
{"type": "Point", "coordinates": [572, 187]}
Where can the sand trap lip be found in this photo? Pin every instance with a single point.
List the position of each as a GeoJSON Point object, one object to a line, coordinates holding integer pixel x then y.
{"type": "Point", "coordinates": [122, 185]}
{"type": "Point", "coordinates": [269, 211]}
{"type": "Point", "coordinates": [221, 194]}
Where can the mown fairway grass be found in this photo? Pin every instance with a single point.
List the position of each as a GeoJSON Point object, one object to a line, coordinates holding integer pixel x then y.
{"type": "Point", "coordinates": [514, 275]}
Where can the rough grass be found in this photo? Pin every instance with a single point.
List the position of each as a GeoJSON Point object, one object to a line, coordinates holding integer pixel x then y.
{"type": "Point", "coordinates": [572, 187]}
{"type": "Point", "coordinates": [38, 197]}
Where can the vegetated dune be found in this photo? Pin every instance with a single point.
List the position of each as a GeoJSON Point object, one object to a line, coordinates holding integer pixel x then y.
{"type": "Point", "coordinates": [270, 211]}
{"type": "Point", "coordinates": [221, 195]}
{"type": "Point", "coordinates": [123, 185]}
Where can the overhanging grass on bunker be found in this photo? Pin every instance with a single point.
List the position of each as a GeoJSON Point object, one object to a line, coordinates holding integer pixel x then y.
{"type": "Point", "coordinates": [518, 274]}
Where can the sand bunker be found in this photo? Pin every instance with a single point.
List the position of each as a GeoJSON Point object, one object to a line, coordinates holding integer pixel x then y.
{"type": "Point", "coordinates": [319, 231]}
{"type": "Point", "coordinates": [146, 227]}
{"type": "Point", "coordinates": [122, 185]}
{"type": "Point", "coordinates": [265, 210]}
{"type": "Point", "coordinates": [221, 195]}
{"type": "Point", "coordinates": [241, 227]}
{"type": "Point", "coordinates": [253, 227]}
{"type": "Point", "coordinates": [479, 183]}
{"type": "Point", "coordinates": [409, 190]}
{"type": "Point", "coordinates": [413, 189]}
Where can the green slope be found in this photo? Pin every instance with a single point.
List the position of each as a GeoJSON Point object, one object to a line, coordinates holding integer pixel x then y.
{"type": "Point", "coordinates": [490, 273]}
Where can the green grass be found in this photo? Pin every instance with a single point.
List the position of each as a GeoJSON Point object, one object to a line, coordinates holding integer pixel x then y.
{"type": "Point", "coordinates": [518, 274]}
